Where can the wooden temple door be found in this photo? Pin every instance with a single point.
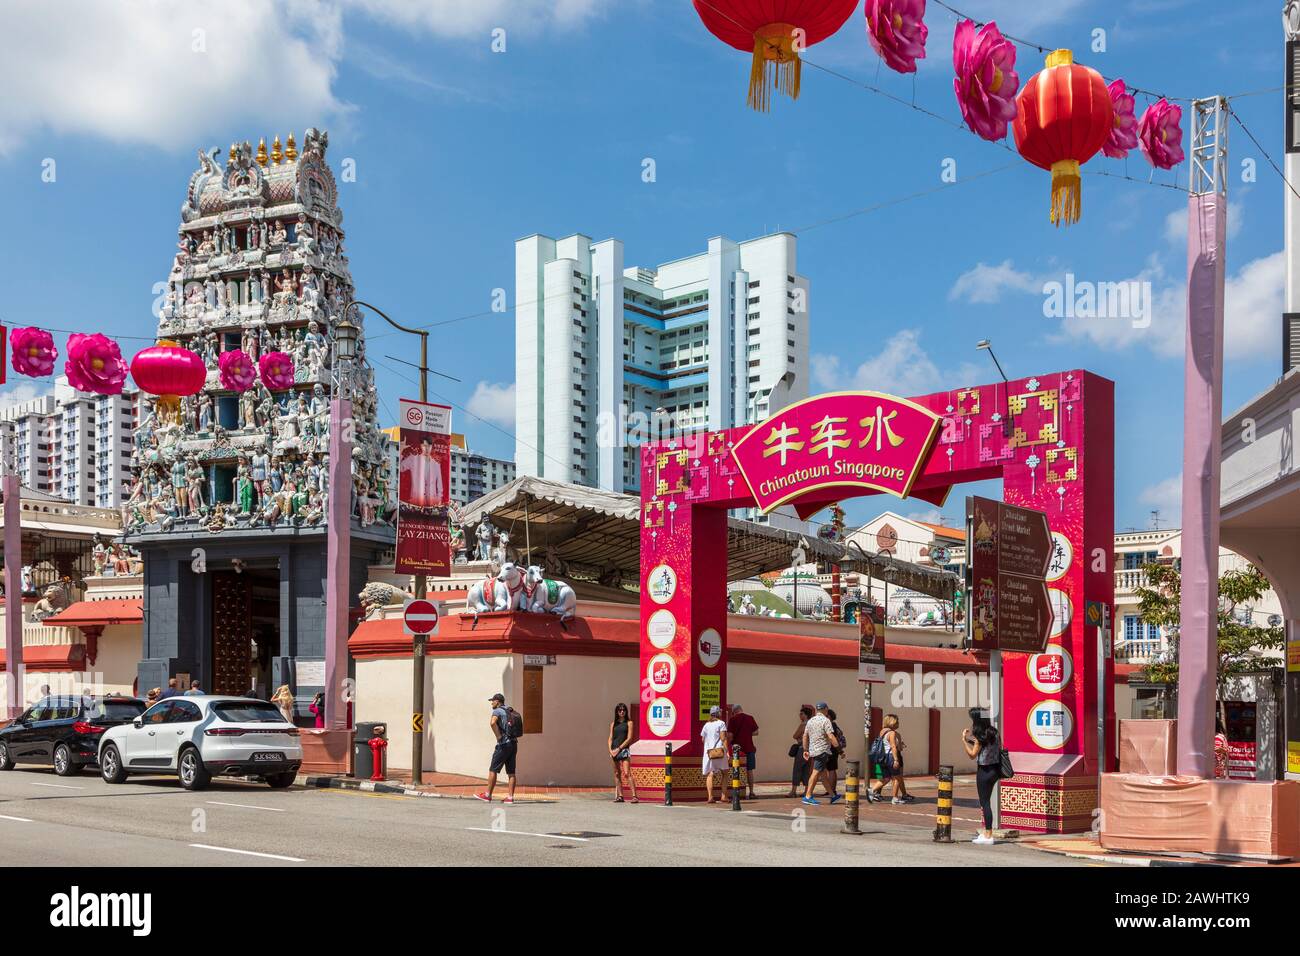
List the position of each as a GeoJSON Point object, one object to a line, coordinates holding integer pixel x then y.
{"type": "Point", "coordinates": [232, 633]}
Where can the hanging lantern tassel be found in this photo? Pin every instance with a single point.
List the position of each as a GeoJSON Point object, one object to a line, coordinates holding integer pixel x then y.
{"type": "Point", "coordinates": [776, 65]}
{"type": "Point", "coordinates": [1067, 192]}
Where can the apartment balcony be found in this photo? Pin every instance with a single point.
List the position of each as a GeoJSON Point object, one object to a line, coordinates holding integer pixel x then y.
{"type": "Point", "coordinates": [1138, 652]}
{"type": "Point", "coordinates": [1129, 580]}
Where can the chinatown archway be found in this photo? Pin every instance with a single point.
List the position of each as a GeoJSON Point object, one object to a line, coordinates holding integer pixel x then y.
{"type": "Point", "coordinates": [1050, 438]}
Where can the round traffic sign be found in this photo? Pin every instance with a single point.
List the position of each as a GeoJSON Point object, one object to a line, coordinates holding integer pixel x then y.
{"type": "Point", "coordinates": [420, 616]}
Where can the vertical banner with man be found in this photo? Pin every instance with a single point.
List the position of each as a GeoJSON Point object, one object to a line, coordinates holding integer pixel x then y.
{"type": "Point", "coordinates": [423, 488]}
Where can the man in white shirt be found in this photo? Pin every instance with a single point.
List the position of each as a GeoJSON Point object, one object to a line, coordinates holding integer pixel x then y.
{"type": "Point", "coordinates": [819, 744]}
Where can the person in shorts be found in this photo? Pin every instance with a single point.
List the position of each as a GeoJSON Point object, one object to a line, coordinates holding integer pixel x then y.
{"type": "Point", "coordinates": [819, 746]}
{"type": "Point", "coordinates": [743, 728]}
{"type": "Point", "coordinates": [505, 751]}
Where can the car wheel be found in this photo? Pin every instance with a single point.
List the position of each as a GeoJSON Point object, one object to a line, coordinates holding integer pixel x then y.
{"type": "Point", "coordinates": [64, 765]}
{"type": "Point", "coordinates": [278, 781]}
{"type": "Point", "coordinates": [110, 765]}
{"type": "Point", "coordinates": [194, 776]}
{"type": "Point", "coordinates": [6, 762]}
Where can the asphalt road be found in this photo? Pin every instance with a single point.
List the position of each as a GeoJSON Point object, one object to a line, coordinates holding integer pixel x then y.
{"type": "Point", "coordinates": [81, 821]}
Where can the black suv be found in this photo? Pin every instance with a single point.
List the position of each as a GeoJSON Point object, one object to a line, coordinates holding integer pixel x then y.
{"type": "Point", "coordinates": [64, 731]}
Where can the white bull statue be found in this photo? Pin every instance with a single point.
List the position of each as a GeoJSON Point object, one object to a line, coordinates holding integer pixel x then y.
{"type": "Point", "coordinates": [544, 596]}
{"type": "Point", "coordinates": [504, 592]}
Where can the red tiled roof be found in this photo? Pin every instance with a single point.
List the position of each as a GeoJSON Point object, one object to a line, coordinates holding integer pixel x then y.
{"type": "Point", "coordinates": [944, 531]}
{"type": "Point", "coordinates": [108, 611]}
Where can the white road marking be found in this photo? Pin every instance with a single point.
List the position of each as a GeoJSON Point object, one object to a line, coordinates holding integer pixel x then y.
{"type": "Point", "coordinates": [545, 836]}
{"type": "Point", "coordinates": [268, 856]}
{"type": "Point", "coordinates": [58, 786]}
{"type": "Point", "coordinates": [246, 806]}
{"type": "Point", "coordinates": [15, 819]}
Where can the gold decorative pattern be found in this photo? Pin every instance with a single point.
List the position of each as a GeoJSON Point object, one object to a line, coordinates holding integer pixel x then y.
{"type": "Point", "coordinates": [685, 778]}
{"type": "Point", "coordinates": [662, 459]}
{"type": "Point", "coordinates": [1070, 457]}
{"type": "Point", "coordinates": [1048, 432]}
{"type": "Point", "coordinates": [968, 401]}
{"type": "Point", "coordinates": [654, 514]}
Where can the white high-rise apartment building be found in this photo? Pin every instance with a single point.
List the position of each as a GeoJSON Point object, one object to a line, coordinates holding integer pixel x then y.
{"type": "Point", "coordinates": [73, 445]}
{"type": "Point", "coordinates": [603, 351]}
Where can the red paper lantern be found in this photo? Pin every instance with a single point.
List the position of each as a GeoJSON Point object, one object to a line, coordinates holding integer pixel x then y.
{"type": "Point", "coordinates": [168, 371]}
{"type": "Point", "coordinates": [1063, 117]}
{"type": "Point", "coordinates": [774, 31]}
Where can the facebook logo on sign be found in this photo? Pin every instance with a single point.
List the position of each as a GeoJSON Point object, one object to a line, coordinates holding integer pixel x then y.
{"type": "Point", "coordinates": [661, 711]}
{"type": "Point", "coordinates": [1042, 718]}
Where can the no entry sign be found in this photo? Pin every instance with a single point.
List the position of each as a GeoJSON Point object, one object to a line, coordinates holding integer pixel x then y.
{"type": "Point", "coordinates": [420, 617]}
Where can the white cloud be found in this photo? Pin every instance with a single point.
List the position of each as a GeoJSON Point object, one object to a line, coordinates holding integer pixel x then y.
{"type": "Point", "coordinates": [21, 392]}
{"type": "Point", "coordinates": [901, 367]}
{"type": "Point", "coordinates": [985, 284]}
{"type": "Point", "coordinates": [1167, 498]}
{"type": "Point", "coordinates": [467, 18]}
{"type": "Point", "coordinates": [175, 75]}
{"type": "Point", "coordinates": [166, 74]}
{"type": "Point", "coordinates": [493, 402]}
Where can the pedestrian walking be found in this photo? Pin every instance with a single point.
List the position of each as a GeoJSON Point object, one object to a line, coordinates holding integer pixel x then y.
{"type": "Point", "coordinates": [799, 772]}
{"type": "Point", "coordinates": [819, 743]}
{"type": "Point", "coordinates": [982, 746]}
{"type": "Point", "coordinates": [507, 726]}
{"type": "Point", "coordinates": [833, 767]}
{"type": "Point", "coordinates": [171, 690]}
{"type": "Point", "coordinates": [195, 690]}
{"type": "Point", "coordinates": [1220, 749]}
{"type": "Point", "coordinates": [151, 698]}
{"type": "Point", "coordinates": [621, 731]}
{"type": "Point", "coordinates": [742, 728]}
{"type": "Point", "coordinates": [716, 744]}
{"type": "Point", "coordinates": [283, 698]}
{"type": "Point", "coordinates": [317, 707]}
{"type": "Point", "coordinates": [891, 766]}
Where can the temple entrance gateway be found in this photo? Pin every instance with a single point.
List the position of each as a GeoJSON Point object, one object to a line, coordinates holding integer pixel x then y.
{"type": "Point", "coordinates": [1050, 438]}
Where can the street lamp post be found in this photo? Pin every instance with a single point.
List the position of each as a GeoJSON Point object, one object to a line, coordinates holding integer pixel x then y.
{"type": "Point", "coordinates": [418, 644]}
{"type": "Point", "coordinates": [987, 346]}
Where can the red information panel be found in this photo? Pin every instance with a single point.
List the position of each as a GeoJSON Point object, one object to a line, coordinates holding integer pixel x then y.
{"type": "Point", "coordinates": [424, 489]}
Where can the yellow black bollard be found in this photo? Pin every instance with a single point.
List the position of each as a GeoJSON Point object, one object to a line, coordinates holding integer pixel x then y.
{"type": "Point", "coordinates": [735, 776]}
{"type": "Point", "coordinates": [668, 775]}
{"type": "Point", "coordinates": [943, 807]}
{"type": "Point", "coordinates": [851, 801]}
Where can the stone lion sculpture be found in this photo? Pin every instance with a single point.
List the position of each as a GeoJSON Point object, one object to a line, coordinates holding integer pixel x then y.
{"type": "Point", "coordinates": [377, 595]}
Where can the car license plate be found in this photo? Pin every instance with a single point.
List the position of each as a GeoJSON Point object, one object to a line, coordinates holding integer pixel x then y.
{"type": "Point", "coordinates": [267, 757]}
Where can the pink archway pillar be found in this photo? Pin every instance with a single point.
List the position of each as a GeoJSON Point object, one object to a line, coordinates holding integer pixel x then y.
{"type": "Point", "coordinates": [1057, 455]}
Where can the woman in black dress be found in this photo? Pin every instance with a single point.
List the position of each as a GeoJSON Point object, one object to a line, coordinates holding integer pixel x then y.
{"type": "Point", "coordinates": [621, 732]}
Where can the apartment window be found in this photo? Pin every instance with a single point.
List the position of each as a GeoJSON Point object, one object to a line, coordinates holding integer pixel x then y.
{"type": "Point", "coordinates": [755, 283]}
{"type": "Point", "coordinates": [753, 301]}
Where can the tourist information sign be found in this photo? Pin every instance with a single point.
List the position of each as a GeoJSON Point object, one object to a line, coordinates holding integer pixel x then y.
{"type": "Point", "coordinates": [1011, 549]}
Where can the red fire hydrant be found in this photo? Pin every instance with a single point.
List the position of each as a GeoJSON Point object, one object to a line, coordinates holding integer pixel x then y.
{"type": "Point", "coordinates": [377, 747]}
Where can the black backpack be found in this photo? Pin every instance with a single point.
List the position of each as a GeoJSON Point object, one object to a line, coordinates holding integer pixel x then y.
{"type": "Point", "coordinates": [514, 728]}
{"type": "Point", "coordinates": [877, 753]}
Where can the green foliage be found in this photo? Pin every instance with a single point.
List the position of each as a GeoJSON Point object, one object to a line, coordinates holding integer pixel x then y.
{"type": "Point", "coordinates": [1239, 644]}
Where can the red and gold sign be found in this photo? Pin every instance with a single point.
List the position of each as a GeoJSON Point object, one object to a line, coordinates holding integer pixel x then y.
{"type": "Point", "coordinates": [849, 440]}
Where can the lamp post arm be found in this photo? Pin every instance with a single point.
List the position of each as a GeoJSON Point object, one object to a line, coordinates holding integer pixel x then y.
{"type": "Point", "coordinates": [424, 344]}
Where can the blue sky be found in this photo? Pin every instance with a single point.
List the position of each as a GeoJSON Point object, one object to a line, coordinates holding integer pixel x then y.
{"type": "Point", "coordinates": [459, 151]}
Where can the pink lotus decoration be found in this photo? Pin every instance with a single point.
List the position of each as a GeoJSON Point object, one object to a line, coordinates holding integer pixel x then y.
{"type": "Point", "coordinates": [277, 370]}
{"type": "Point", "coordinates": [986, 80]}
{"type": "Point", "coordinates": [1123, 135]}
{"type": "Point", "coordinates": [94, 364]}
{"type": "Point", "coordinates": [1161, 136]}
{"type": "Point", "coordinates": [896, 31]}
{"type": "Point", "coordinates": [236, 370]}
{"type": "Point", "coordinates": [34, 351]}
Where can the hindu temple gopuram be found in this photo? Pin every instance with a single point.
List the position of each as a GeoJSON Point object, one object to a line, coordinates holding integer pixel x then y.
{"type": "Point", "coordinates": [230, 488]}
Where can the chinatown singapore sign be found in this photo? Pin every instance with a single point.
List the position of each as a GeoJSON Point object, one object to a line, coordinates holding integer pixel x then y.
{"type": "Point", "coordinates": [861, 439]}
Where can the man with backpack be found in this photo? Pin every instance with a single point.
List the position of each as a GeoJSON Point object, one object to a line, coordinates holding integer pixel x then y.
{"type": "Point", "coordinates": [507, 725]}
